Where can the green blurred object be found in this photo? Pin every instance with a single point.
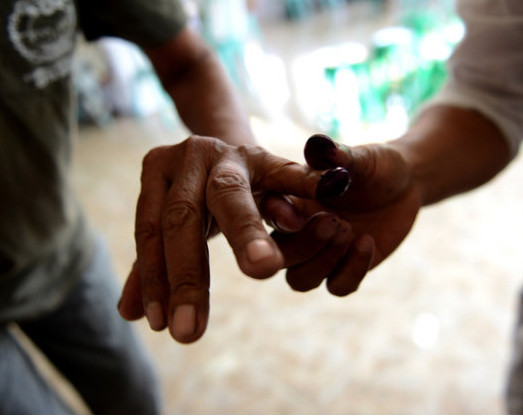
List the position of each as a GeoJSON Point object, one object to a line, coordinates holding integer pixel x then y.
{"type": "Point", "coordinates": [227, 26]}
{"type": "Point", "coordinates": [406, 64]}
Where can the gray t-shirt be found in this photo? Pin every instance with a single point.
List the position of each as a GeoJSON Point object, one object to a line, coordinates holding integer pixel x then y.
{"type": "Point", "coordinates": [44, 240]}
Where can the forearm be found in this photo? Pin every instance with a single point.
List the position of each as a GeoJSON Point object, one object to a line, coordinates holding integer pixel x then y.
{"type": "Point", "coordinates": [208, 104]}
{"type": "Point", "coordinates": [452, 150]}
{"type": "Point", "coordinates": [206, 100]}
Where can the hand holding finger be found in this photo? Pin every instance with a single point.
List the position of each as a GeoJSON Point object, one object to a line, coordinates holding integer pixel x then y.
{"type": "Point", "coordinates": [203, 181]}
{"type": "Point", "coordinates": [249, 171]}
{"type": "Point", "coordinates": [314, 252]}
{"type": "Point", "coordinates": [279, 212]}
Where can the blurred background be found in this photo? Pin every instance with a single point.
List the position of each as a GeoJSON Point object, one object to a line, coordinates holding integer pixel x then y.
{"type": "Point", "coordinates": [429, 331]}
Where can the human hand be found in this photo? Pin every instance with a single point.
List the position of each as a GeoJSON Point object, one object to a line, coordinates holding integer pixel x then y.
{"type": "Point", "coordinates": [380, 206]}
{"type": "Point", "coordinates": [190, 191]}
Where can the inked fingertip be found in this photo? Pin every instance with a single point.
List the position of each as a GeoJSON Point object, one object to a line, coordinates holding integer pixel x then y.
{"type": "Point", "coordinates": [322, 139]}
{"type": "Point", "coordinates": [333, 183]}
{"type": "Point", "coordinates": [318, 150]}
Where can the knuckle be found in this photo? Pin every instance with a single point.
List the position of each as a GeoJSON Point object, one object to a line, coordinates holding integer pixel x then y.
{"type": "Point", "coordinates": [154, 280]}
{"type": "Point", "coordinates": [146, 230]}
{"type": "Point", "coordinates": [177, 214]}
{"type": "Point", "coordinates": [195, 143]}
{"type": "Point", "coordinates": [153, 157]}
{"type": "Point", "coordinates": [280, 166]}
{"type": "Point", "coordinates": [227, 181]}
{"type": "Point", "coordinates": [250, 150]}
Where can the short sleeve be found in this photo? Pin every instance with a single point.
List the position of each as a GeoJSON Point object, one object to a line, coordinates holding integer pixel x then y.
{"type": "Point", "coordinates": [486, 69]}
{"type": "Point", "coordinates": [146, 23]}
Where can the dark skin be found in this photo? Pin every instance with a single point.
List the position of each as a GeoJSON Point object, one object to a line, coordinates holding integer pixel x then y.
{"type": "Point", "coordinates": [204, 178]}
{"type": "Point", "coordinates": [190, 189]}
{"type": "Point", "coordinates": [446, 152]}
{"type": "Point", "coordinates": [181, 205]}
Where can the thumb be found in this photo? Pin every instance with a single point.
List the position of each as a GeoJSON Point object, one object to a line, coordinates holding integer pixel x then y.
{"type": "Point", "coordinates": [321, 152]}
{"type": "Point", "coordinates": [368, 165]}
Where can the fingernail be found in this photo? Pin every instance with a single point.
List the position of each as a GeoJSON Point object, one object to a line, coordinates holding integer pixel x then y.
{"type": "Point", "coordinates": [280, 226]}
{"type": "Point", "coordinates": [155, 315]}
{"type": "Point", "coordinates": [259, 249]}
{"type": "Point", "coordinates": [365, 244]}
{"type": "Point", "coordinates": [326, 228]}
{"type": "Point", "coordinates": [318, 149]}
{"type": "Point", "coordinates": [184, 321]}
{"type": "Point", "coordinates": [333, 183]}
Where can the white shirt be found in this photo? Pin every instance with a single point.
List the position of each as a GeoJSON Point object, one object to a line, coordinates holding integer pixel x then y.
{"type": "Point", "coordinates": [486, 69]}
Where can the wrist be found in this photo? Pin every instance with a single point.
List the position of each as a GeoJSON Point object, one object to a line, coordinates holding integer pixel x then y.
{"type": "Point", "coordinates": [415, 169]}
{"type": "Point", "coordinates": [450, 151]}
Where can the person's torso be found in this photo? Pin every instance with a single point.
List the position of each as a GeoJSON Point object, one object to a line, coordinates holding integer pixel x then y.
{"type": "Point", "coordinates": [44, 240]}
{"type": "Point", "coordinates": [39, 214]}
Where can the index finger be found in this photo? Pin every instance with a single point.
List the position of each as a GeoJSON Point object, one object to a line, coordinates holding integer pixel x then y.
{"type": "Point", "coordinates": [230, 199]}
{"type": "Point", "coordinates": [271, 172]}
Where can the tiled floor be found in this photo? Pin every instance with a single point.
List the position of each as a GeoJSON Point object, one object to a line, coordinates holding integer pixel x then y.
{"type": "Point", "coordinates": [427, 333]}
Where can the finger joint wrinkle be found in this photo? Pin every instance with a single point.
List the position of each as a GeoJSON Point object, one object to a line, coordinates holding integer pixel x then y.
{"type": "Point", "coordinates": [177, 214]}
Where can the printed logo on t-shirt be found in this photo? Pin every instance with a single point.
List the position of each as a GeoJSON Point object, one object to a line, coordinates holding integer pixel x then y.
{"type": "Point", "coordinates": [43, 33]}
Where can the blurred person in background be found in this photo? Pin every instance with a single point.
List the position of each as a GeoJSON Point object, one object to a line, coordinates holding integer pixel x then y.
{"type": "Point", "coordinates": [56, 281]}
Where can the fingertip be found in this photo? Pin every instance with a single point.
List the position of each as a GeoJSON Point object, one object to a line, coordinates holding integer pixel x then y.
{"type": "Point", "coordinates": [130, 305]}
{"type": "Point", "coordinates": [262, 259]}
{"type": "Point", "coordinates": [343, 290]}
{"type": "Point", "coordinates": [183, 324]}
{"type": "Point", "coordinates": [259, 250]}
{"type": "Point", "coordinates": [129, 311]}
{"type": "Point", "coordinates": [155, 314]}
{"type": "Point", "coordinates": [296, 280]}
{"type": "Point", "coordinates": [365, 245]}
{"type": "Point", "coordinates": [348, 278]}
{"type": "Point", "coordinates": [187, 324]}
{"type": "Point", "coordinates": [121, 311]}
{"type": "Point", "coordinates": [319, 150]}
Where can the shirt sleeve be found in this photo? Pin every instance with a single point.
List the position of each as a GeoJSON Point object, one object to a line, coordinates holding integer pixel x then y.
{"type": "Point", "coordinates": [146, 23]}
{"type": "Point", "coordinates": [486, 69]}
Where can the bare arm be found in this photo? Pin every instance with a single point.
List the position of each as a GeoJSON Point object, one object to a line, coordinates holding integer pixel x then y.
{"type": "Point", "coordinates": [447, 151]}
{"type": "Point", "coordinates": [209, 180]}
{"type": "Point", "coordinates": [451, 150]}
{"type": "Point", "coordinates": [205, 98]}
